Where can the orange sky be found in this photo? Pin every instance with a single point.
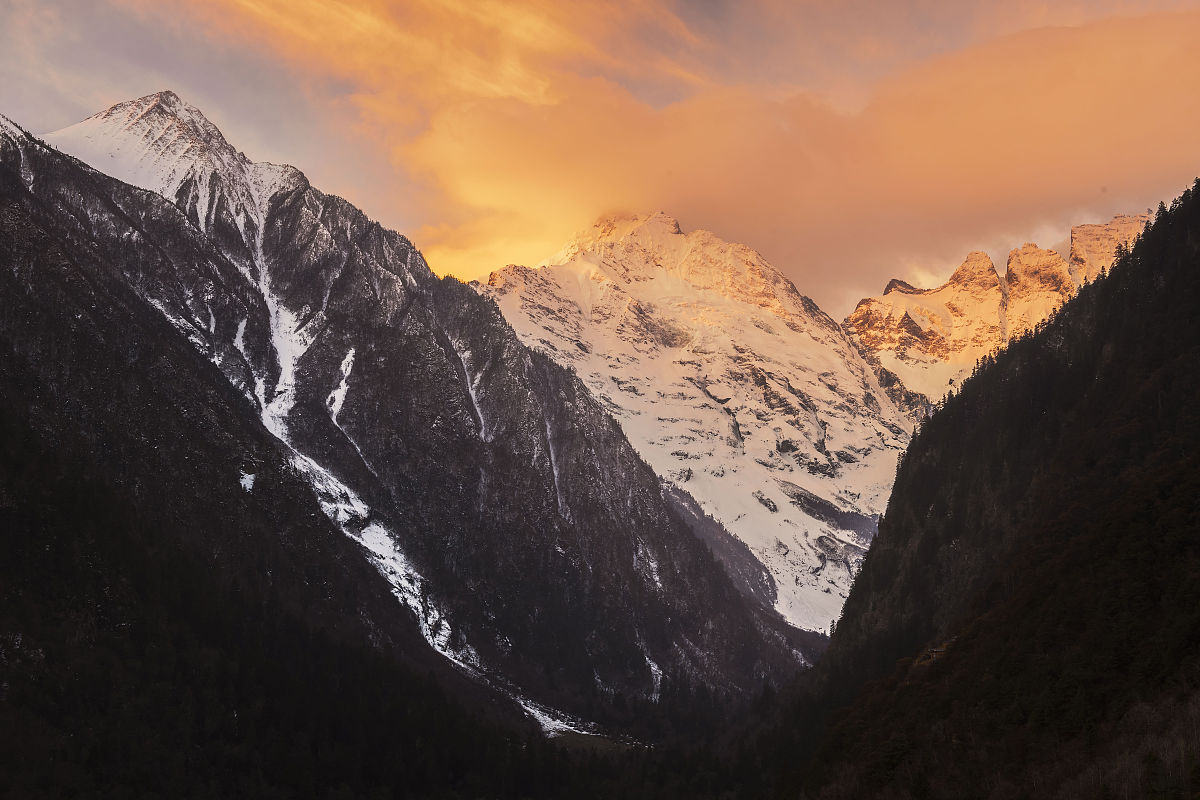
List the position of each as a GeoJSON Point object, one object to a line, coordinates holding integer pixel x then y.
{"type": "Point", "coordinates": [849, 142]}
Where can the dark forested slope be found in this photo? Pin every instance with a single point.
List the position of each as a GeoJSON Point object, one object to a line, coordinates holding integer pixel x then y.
{"type": "Point", "coordinates": [1027, 623]}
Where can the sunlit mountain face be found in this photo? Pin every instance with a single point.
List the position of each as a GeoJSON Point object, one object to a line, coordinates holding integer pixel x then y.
{"type": "Point", "coordinates": [734, 386]}
{"type": "Point", "coordinates": [498, 400]}
{"type": "Point", "coordinates": [931, 339]}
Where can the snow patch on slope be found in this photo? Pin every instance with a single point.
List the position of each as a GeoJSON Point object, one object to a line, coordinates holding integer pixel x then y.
{"type": "Point", "coordinates": [408, 588]}
{"type": "Point", "coordinates": [353, 516]}
{"type": "Point", "coordinates": [338, 396]}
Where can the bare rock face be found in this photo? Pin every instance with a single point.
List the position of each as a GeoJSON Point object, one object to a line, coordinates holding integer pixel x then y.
{"type": "Point", "coordinates": [1037, 282]}
{"type": "Point", "coordinates": [927, 340]}
{"type": "Point", "coordinates": [1093, 247]}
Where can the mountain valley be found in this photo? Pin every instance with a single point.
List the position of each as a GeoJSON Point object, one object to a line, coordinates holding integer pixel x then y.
{"type": "Point", "coordinates": [285, 513]}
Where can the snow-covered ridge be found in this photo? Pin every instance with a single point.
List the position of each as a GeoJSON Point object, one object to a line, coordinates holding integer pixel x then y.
{"type": "Point", "coordinates": [162, 144]}
{"type": "Point", "coordinates": [931, 338]}
{"type": "Point", "coordinates": [153, 142]}
{"type": "Point", "coordinates": [10, 128]}
{"type": "Point", "coordinates": [730, 384]}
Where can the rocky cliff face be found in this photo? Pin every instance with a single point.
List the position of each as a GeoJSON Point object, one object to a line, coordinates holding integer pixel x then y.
{"type": "Point", "coordinates": [930, 339]}
{"type": "Point", "coordinates": [1094, 247]}
{"type": "Point", "coordinates": [1035, 284]}
{"type": "Point", "coordinates": [732, 385]}
{"type": "Point", "coordinates": [502, 502]}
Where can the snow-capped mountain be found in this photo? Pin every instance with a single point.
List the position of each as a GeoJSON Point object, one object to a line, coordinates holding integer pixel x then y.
{"type": "Point", "coordinates": [504, 505]}
{"type": "Point", "coordinates": [731, 384]}
{"type": "Point", "coordinates": [931, 338]}
{"type": "Point", "coordinates": [164, 145]}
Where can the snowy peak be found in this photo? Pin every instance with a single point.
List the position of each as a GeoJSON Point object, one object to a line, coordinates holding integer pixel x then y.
{"type": "Point", "coordinates": [630, 249]}
{"type": "Point", "coordinates": [977, 271]}
{"type": "Point", "coordinates": [928, 336]}
{"type": "Point", "coordinates": [151, 142]}
{"type": "Point", "coordinates": [615, 228]}
{"type": "Point", "coordinates": [731, 384]}
{"type": "Point", "coordinates": [904, 287]}
{"type": "Point", "coordinates": [164, 144]}
{"type": "Point", "coordinates": [648, 228]}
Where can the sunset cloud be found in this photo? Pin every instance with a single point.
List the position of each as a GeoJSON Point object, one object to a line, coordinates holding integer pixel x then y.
{"type": "Point", "coordinates": [847, 142]}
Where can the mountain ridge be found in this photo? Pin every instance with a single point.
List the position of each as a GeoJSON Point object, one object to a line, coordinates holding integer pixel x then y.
{"type": "Point", "coordinates": [172, 590]}
{"type": "Point", "coordinates": [931, 339]}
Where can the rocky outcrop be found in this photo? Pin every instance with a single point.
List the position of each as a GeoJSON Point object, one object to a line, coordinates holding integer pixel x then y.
{"type": "Point", "coordinates": [930, 339]}
{"type": "Point", "coordinates": [1035, 284]}
{"type": "Point", "coordinates": [1093, 247]}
